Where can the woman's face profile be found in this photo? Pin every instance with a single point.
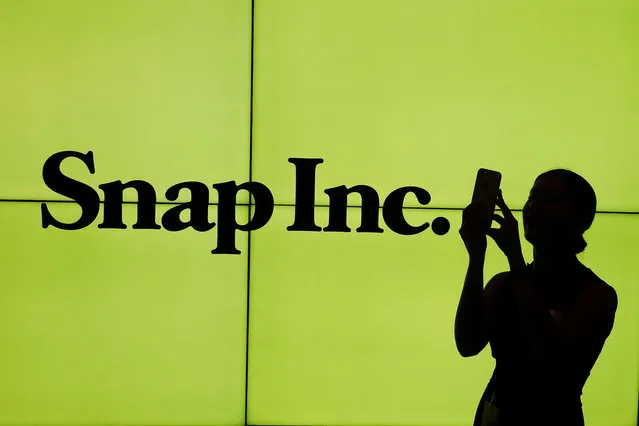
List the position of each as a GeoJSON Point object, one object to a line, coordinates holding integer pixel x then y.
{"type": "Point", "coordinates": [547, 214]}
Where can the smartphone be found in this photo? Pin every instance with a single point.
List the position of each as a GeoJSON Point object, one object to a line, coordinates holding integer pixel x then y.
{"type": "Point", "coordinates": [485, 194]}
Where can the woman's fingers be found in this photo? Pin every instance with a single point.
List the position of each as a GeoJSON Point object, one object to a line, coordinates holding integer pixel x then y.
{"type": "Point", "coordinates": [502, 205]}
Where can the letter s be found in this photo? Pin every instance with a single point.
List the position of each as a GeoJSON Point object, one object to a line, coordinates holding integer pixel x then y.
{"type": "Point", "coordinates": [80, 192]}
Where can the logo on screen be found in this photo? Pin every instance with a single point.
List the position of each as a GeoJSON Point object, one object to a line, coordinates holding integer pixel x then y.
{"type": "Point", "coordinates": [227, 226]}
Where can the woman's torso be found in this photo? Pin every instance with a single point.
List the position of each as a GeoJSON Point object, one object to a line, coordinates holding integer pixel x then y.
{"type": "Point", "coordinates": [524, 386]}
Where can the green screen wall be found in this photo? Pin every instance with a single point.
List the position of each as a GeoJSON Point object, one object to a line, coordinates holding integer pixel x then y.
{"type": "Point", "coordinates": [147, 327]}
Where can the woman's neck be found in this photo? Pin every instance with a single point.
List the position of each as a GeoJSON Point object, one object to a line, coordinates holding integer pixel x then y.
{"type": "Point", "coordinates": [555, 266]}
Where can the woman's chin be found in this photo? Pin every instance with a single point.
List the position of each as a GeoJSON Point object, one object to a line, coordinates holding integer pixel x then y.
{"type": "Point", "coordinates": [540, 241]}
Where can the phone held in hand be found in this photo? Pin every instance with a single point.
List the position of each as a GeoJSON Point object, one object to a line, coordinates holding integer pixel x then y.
{"type": "Point", "coordinates": [485, 194]}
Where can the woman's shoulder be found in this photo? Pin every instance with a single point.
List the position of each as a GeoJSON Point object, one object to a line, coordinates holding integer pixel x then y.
{"type": "Point", "coordinates": [599, 286]}
{"type": "Point", "coordinates": [592, 280]}
{"type": "Point", "coordinates": [597, 292]}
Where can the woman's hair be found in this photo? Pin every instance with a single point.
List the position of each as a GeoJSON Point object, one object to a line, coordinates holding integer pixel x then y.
{"type": "Point", "coordinates": [584, 204]}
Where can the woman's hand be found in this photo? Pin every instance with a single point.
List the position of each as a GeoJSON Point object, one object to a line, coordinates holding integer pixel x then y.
{"type": "Point", "coordinates": [472, 230]}
{"type": "Point", "coordinates": [507, 236]}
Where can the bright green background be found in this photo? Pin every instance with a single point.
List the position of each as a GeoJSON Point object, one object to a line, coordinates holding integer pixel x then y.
{"type": "Point", "coordinates": [158, 90]}
{"type": "Point", "coordinates": [147, 327]}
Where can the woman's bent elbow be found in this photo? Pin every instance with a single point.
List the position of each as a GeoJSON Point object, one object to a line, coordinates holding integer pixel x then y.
{"type": "Point", "coordinates": [472, 350]}
{"type": "Point", "coordinates": [466, 353]}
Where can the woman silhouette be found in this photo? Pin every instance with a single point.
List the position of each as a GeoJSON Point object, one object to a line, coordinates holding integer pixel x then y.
{"type": "Point", "coordinates": [546, 321]}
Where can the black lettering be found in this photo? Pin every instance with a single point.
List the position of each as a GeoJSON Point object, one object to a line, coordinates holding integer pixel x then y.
{"type": "Point", "coordinates": [264, 205]}
{"type": "Point", "coordinates": [393, 214]}
{"type": "Point", "coordinates": [198, 205]}
{"type": "Point", "coordinates": [338, 207]}
{"type": "Point", "coordinates": [81, 193]}
{"type": "Point", "coordinates": [305, 194]}
{"type": "Point", "coordinates": [113, 201]}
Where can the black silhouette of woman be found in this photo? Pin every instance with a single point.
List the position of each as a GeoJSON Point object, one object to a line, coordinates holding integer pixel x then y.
{"type": "Point", "coordinates": [546, 321]}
